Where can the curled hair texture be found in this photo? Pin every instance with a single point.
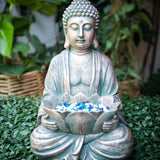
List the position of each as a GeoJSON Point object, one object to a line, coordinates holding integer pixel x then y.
{"type": "Point", "coordinates": [80, 8]}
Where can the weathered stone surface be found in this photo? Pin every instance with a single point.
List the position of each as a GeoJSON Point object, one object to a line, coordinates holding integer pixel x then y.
{"type": "Point", "coordinates": [81, 74]}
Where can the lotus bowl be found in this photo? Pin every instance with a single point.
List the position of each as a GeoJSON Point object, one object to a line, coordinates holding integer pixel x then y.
{"type": "Point", "coordinates": [81, 122]}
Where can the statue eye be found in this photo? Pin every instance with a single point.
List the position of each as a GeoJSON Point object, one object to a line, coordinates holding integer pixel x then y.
{"type": "Point", "coordinates": [74, 26]}
{"type": "Point", "coordinates": [87, 27]}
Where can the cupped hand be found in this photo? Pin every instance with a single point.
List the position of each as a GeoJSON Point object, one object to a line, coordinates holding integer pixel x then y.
{"type": "Point", "coordinates": [109, 126]}
{"type": "Point", "coordinates": [51, 125]}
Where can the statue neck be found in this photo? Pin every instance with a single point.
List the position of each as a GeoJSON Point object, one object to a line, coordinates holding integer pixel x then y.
{"type": "Point", "coordinates": [80, 57]}
{"type": "Point", "coordinates": [80, 53]}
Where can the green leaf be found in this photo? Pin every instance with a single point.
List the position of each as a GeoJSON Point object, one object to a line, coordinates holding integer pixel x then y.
{"type": "Point", "coordinates": [21, 47]}
{"type": "Point", "coordinates": [107, 9]}
{"type": "Point", "coordinates": [20, 25]}
{"type": "Point", "coordinates": [5, 17]}
{"type": "Point", "coordinates": [100, 2]}
{"type": "Point", "coordinates": [21, 2]}
{"type": "Point", "coordinates": [12, 69]}
{"type": "Point", "coordinates": [47, 7]}
{"type": "Point", "coordinates": [133, 73]}
{"type": "Point", "coordinates": [26, 61]}
{"type": "Point", "coordinates": [120, 74]}
{"type": "Point", "coordinates": [117, 43]}
{"type": "Point", "coordinates": [40, 59]}
{"type": "Point", "coordinates": [108, 27]}
{"type": "Point", "coordinates": [56, 1]}
{"type": "Point", "coordinates": [15, 134]}
{"type": "Point", "coordinates": [140, 65]}
{"type": "Point", "coordinates": [119, 71]}
{"type": "Point", "coordinates": [48, 10]}
{"type": "Point", "coordinates": [128, 7]}
{"type": "Point", "coordinates": [34, 68]}
{"type": "Point", "coordinates": [6, 38]}
{"type": "Point", "coordinates": [125, 33]}
{"type": "Point", "coordinates": [39, 47]}
{"type": "Point", "coordinates": [105, 18]}
{"type": "Point", "coordinates": [144, 18]}
{"type": "Point", "coordinates": [25, 2]}
{"type": "Point", "coordinates": [136, 28]}
{"type": "Point", "coordinates": [109, 44]}
{"type": "Point", "coordinates": [117, 18]}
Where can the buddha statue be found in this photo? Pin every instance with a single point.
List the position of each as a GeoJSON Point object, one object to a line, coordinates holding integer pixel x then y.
{"type": "Point", "coordinates": [80, 73]}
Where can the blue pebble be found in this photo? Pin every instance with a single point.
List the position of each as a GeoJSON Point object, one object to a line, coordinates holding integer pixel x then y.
{"type": "Point", "coordinates": [90, 107]}
{"type": "Point", "coordinates": [108, 108]}
{"type": "Point", "coordinates": [66, 105]}
{"type": "Point", "coordinates": [80, 108]}
{"type": "Point", "coordinates": [78, 104]}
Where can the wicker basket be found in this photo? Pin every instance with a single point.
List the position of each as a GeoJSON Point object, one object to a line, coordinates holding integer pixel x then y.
{"type": "Point", "coordinates": [130, 87]}
{"type": "Point", "coordinates": [28, 84]}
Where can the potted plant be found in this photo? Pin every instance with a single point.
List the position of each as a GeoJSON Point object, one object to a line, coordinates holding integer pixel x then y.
{"type": "Point", "coordinates": [22, 73]}
{"type": "Point", "coordinates": [124, 24]}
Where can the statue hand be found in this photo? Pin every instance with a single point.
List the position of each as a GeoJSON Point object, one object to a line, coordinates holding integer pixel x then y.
{"type": "Point", "coordinates": [109, 126]}
{"type": "Point", "coordinates": [51, 125]}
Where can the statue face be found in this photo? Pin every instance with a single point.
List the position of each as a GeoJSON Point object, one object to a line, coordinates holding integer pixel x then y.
{"type": "Point", "coordinates": [81, 33]}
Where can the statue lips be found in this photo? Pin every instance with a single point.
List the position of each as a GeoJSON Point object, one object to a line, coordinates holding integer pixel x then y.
{"type": "Point", "coordinates": [80, 41]}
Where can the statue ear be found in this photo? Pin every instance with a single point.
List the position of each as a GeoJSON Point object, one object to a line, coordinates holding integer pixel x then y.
{"type": "Point", "coordinates": [66, 43]}
{"type": "Point", "coordinates": [95, 43]}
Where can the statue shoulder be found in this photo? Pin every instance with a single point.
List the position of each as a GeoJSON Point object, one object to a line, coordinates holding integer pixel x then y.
{"type": "Point", "coordinates": [58, 58]}
{"type": "Point", "coordinates": [103, 58]}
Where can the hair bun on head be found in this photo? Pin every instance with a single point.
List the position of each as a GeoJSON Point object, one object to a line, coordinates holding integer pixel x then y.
{"type": "Point", "coordinates": [80, 8]}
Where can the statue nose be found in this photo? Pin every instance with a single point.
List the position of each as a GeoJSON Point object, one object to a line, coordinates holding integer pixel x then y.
{"type": "Point", "coordinates": [81, 35]}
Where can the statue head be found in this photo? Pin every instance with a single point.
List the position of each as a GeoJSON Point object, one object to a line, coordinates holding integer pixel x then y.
{"type": "Point", "coordinates": [80, 9]}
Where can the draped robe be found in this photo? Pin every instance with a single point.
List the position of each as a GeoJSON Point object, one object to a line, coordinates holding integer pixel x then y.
{"type": "Point", "coordinates": [45, 143]}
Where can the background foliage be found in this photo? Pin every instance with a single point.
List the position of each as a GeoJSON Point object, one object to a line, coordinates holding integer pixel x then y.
{"type": "Point", "coordinates": [12, 27]}
{"type": "Point", "coordinates": [123, 25]}
{"type": "Point", "coordinates": [152, 87]}
{"type": "Point", "coordinates": [18, 119]}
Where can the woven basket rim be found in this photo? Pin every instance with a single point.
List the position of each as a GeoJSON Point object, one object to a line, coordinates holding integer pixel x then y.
{"type": "Point", "coordinates": [28, 84]}
{"type": "Point", "coordinates": [24, 74]}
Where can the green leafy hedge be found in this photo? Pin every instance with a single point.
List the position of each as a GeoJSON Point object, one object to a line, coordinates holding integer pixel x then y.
{"type": "Point", "coordinates": [18, 119]}
{"type": "Point", "coordinates": [143, 117]}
